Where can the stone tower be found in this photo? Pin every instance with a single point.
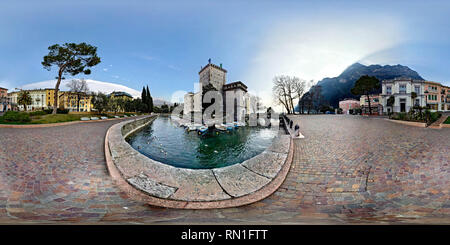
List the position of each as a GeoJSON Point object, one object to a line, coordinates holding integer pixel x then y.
{"type": "Point", "coordinates": [213, 74]}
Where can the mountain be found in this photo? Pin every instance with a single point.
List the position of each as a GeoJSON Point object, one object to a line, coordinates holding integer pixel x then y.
{"type": "Point", "coordinates": [160, 102]}
{"type": "Point", "coordinates": [338, 88]}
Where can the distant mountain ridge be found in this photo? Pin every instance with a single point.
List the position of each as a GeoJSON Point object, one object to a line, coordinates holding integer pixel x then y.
{"type": "Point", "coordinates": [338, 88]}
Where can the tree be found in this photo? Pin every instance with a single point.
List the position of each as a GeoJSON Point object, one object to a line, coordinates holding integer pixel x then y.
{"type": "Point", "coordinates": [284, 91]}
{"type": "Point", "coordinates": [129, 105]}
{"type": "Point", "coordinates": [316, 97]}
{"type": "Point", "coordinates": [390, 102]}
{"type": "Point", "coordinates": [113, 104]}
{"type": "Point", "coordinates": [70, 58]}
{"type": "Point", "coordinates": [366, 85]}
{"type": "Point", "coordinates": [164, 108]}
{"type": "Point", "coordinates": [413, 97]}
{"type": "Point", "coordinates": [24, 99]}
{"type": "Point", "coordinates": [100, 102]}
{"type": "Point", "coordinates": [299, 90]}
{"type": "Point", "coordinates": [120, 104]}
{"type": "Point", "coordinates": [79, 88]}
{"type": "Point", "coordinates": [308, 101]}
{"type": "Point", "coordinates": [149, 101]}
{"type": "Point", "coordinates": [144, 96]}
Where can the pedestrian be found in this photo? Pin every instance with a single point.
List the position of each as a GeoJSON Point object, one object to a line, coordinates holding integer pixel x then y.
{"type": "Point", "coordinates": [297, 130]}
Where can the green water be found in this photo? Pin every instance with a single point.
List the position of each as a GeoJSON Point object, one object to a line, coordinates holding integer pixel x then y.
{"type": "Point", "coordinates": [168, 143]}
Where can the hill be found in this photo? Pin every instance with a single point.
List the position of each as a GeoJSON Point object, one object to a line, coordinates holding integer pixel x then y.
{"type": "Point", "coordinates": [338, 88]}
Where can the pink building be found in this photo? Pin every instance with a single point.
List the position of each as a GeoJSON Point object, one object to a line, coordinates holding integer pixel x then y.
{"type": "Point", "coordinates": [348, 104]}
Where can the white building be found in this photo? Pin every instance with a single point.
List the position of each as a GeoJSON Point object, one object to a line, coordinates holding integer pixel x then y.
{"type": "Point", "coordinates": [401, 89]}
{"type": "Point", "coordinates": [234, 95]}
{"type": "Point", "coordinates": [38, 99]}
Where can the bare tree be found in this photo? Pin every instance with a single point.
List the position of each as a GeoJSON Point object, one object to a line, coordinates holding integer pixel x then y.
{"type": "Point", "coordinates": [287, 89]}
{"type": "Point", "coordinates": [80, 88]}
{"type": "Point", "coordinates": [281, 92]}
{"type": "Point", "coordinates": [299, 89]}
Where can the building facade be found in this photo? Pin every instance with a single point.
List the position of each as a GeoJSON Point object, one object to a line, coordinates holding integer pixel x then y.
{"type": "Point", "coordinates": [4, 100]}
{"type": "Point", "coordinates": [437, 96]}
{"type": "Point", "coordinates": [44, 99]}
{"type": "Point", "coordinates": [349, 104]}
{"type": "Point", "coordinates": [234, 95]}
{"type": "Point", "coordinates": [375, 105]}
{"type": "Point", "coordinates": [121, 95]}
{"type": "Point", "coordinates": [38, 99]}
{"type": "Point", "coordinates": [69, 100]}
{"type": "Point", "coordinates": [408, 93]}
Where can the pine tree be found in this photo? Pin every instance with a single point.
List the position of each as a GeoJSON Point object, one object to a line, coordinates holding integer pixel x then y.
{"type": "Point", "coordinates": [144, 96]}
{"type": "Point", "coordinates": [149, 101]}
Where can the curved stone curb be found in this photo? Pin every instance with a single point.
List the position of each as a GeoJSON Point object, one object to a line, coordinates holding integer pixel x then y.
{"type": "Point", "coordinates": [414, 124]}
{"type": "Point", "coordinates": [47, 125]}
{"type": "Point", "coordinates": [162, 185]}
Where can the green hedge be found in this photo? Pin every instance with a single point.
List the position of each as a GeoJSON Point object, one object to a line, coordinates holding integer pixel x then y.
{"type": "Point", "coordinates": [15, 116]}
{"type": "Point", "coordinates": [62, 111]}
{"type": "Point", "coordinates": [38, 113]}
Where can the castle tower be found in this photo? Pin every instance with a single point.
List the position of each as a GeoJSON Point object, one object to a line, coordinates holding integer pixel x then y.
{"type": "Point", "coordinates": [213, 74]}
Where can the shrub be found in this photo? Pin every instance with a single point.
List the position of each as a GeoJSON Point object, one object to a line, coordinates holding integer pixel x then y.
{"type": "Point", "coordinates": [62, 111]}
{"type": "Point", "coordinates": [37, 113]}
{"type": "Point", "coordinates": [401, 116]}
{"type": "Point", "coordinates": [434, 116]}
{"type": "Point", "coordinates": [48, 111]}
{"type": "Point", "coordinates": [15, 116]}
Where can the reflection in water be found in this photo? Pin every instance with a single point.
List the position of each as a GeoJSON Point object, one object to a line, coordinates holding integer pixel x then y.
{"type": "Point", "coordinates": [168, 143]}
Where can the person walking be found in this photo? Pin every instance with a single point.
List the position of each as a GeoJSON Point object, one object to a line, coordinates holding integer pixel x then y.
{"type": "Point", "coordinates": [297, 133]}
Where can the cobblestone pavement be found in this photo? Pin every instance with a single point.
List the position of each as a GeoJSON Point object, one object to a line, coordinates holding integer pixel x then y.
{"type": "Point", "coordinates": [347, 169]}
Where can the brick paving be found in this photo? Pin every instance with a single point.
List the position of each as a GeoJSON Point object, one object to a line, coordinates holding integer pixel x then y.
{"type": "Point", "coordinates": [347, 169]}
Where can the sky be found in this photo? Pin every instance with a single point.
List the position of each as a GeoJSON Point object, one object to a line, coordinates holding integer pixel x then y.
{"type": "Point", "coordinates": [163, 44]}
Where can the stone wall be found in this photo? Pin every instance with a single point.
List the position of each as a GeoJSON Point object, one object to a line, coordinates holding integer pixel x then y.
{"type": "Point", "coordinates": [246, 182]}
{"type": "Point", "coordinates": [132, 126]}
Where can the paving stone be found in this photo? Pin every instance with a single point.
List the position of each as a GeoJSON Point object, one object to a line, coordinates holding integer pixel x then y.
{"type": "Point", "coordinates": [267, 163]}
{"type": "Point", "coordinates": [37, 165]}
{"type": "Point", "coordinates": [198, 185]}
{"type": "Point", "coordinates": [144, 183]}
{"type": "Point", "coordinates": [237, 180]}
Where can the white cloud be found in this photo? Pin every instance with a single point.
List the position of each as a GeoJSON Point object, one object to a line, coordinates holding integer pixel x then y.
{"type": "Point", "coordinates": [105, 69]}
{"type": "Point", "coordinates": [314, 48]}
{"type": "Point", "coordinates": [94, 86]}
{"type": "Point", "coordinates": [6, 84]}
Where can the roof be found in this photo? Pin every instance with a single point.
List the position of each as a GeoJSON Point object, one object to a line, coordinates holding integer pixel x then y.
{"type": "Point", "coordinates": [120, 93]}
{"type": "Point", "coordinates": [435, 83]}
{"type": "Point", "coordinates": [233, 85]}
{"type": "Point", "coordinates": [403, 79]}
{"type": "Point", "coordinates": [212, 65]}
{"type": "Point", "coordinates": [349, 99]}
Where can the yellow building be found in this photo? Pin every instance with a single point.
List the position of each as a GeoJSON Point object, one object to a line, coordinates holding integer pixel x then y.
{"type": "Point", "coordinates": [50, 95]}
{"type": "Point", "coordinates": [68, 100]}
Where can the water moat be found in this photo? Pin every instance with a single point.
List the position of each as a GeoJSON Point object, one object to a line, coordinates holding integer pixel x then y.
{"type": "Point", "coordinates": [164, 141]}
